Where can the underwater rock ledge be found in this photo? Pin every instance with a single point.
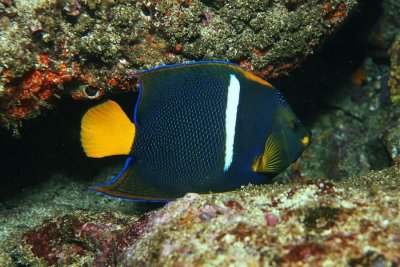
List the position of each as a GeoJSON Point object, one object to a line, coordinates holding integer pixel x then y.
{"type": "Point", "coordinates": [52, 48]}
{"type": "Point", "coordinates": [351, 223]}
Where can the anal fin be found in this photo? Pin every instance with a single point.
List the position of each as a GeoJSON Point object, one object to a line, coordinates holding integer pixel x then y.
{"type": "Point", "coordinates": [126, 186]}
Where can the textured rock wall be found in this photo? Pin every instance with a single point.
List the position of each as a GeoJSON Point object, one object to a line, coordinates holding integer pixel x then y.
{"type": "Point", "coordinates": [85, 49]}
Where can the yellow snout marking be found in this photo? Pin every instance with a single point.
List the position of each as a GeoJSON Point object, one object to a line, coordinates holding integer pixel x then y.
{"type": "Point", "coordinates": [305, 140]}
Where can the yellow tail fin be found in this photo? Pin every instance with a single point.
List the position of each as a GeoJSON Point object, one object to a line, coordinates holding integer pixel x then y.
{"type": "Point", "coordinates": [107, 131]}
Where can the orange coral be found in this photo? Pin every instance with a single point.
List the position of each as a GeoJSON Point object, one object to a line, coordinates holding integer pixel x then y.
{"type": "Point", "coordinates": [25, 98]}
{"type": "Point", "coordinates": [335, 12]}
{"type": "Point", "coordinates": [359, 77]}
{"type": "Point", "coordinates": [37, 87]}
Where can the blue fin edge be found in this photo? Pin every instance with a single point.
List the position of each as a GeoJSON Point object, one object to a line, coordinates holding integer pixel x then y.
{"type": "Point", "coordinates": [190, 63]}
{"type": "Point", "coordinates": [137, 103]}
{"type": "Point", "coordinates": [131, 199]}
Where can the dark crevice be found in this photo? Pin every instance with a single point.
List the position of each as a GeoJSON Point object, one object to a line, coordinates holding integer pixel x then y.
{"type": "Point", "coordinates": [145, 10]}
{"type": "Point", "coordinates": [331, 67]}
{"type": "Point", "coordinates": [50, 144]}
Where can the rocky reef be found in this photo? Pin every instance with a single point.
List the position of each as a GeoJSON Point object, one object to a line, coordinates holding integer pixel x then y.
{"type": "Point", "coordinates": [357, 133]}
{"type": "Point", "coordinates": [386, 34]}
{"type": "Point", "coordinates": [88, 48]}
{"type": "Point", "coordinates": [351, 223]}
{"type": "Point", "coordinates": [394, 81]}
{"type": "Point", "coordinates": [341, 206]}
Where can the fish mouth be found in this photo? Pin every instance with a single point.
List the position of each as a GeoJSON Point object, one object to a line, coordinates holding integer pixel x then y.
{"type": "Point", "coordinates": [306, 140]}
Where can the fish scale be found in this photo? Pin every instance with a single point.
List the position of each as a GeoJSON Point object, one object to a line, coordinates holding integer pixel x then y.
{"type": "Point", "coordinates": [182, 142]}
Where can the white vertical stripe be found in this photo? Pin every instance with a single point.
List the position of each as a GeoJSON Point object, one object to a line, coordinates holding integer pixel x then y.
{"type": "Point", "coordinates": [230, 119]}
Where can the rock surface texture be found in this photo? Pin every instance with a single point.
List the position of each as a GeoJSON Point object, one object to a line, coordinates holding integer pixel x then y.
{"type": "Point", "coordinates": [87, 48]}
{"type": "Point", "coordinates": [352, 223]}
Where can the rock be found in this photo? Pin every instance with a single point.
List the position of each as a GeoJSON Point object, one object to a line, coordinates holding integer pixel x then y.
{"type": "Point", "coordinates": [391, 139]}
{"type": "Point", "coordinates": [348, 130]}
{"type": "Point", "coordinates": [318, 224]}
{"type": "Point", "coordinates": [394, 74]}
{"type": "Point", "coordinates": [386, 35]}
{"type": "Point", "coordinates": [355, 222]}
{"type": "Point", "coordinates": [88, 48]}
{"type": "Point", "coordinates": [79, 238]}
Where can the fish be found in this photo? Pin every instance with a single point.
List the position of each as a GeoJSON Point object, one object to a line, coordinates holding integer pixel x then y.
{"type": "Point", "coordinates": [202, 127]}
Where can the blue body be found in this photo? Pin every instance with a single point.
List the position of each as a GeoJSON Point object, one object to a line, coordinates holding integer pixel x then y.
{"type": "Point", "coordinates": [180, 141]}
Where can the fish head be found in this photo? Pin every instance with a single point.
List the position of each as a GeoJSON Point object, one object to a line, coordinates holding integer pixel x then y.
{"type": "Point", "coordinates": [285, 142]}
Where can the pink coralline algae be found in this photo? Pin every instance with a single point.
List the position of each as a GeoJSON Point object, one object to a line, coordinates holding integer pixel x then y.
{"type": "Point", "coordinates": [97, 239]}
{"type": "Point", "coordinates": [73, 238]}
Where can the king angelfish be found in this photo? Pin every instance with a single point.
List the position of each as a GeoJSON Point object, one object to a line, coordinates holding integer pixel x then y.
{"type": "Point", "coordinates": [199, 127]}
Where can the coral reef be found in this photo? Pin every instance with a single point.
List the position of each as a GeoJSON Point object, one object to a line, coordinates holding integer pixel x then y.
{"type": "Point", "coordinates": [87, 48]}
{"type": "Point", "coordinates": [64, 199]}
{"type": "Point", "coordinates": [323, 224]}
{"type": "Point", "coordinates": [388, 25]}
{"type": "Point", "coordinates": [357, 130]}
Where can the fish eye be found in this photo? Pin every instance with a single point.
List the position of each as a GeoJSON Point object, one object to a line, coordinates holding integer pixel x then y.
{"type": "Point", "coordinates": [295, 125]}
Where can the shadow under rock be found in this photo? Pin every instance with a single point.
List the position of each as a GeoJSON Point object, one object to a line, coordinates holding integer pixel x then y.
{"type": "Point", "coordinates": [50, 144]}
{"type": "Point", "coordinates": [323, 75]}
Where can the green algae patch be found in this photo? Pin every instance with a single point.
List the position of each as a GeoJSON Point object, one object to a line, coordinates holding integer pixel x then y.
{"type": "Point", "coordinates": [320, 218]}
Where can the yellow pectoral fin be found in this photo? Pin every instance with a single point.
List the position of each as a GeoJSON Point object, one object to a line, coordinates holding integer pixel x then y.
{"type": "Point", "coordinates": [107, 131]}
{"type": "Point", "coordinates": [272, 160]}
